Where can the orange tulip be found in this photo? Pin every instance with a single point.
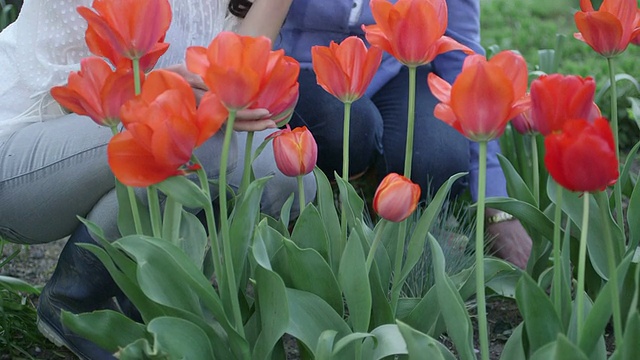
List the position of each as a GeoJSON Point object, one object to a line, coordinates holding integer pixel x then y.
{"type": "Point", "coordinates": [163, 127]}
{"type": "Point", "coordinates": [128, 29]}
{"type": "Point", "coordinates": [295, 151]}
{"type": "Point", "coordinates": [396, 197]}
{"type": "Point", "coordinates": [233, 66]}
{"type": "Point", "coordinates": [96, 91]}
{"type": "Point", "coordinates": [412, 31]}
{"type": "Point", "coordinates": [345, 70]}
{"type": "Point", "coordinates": [279, 92]}
{"type": "Point", "coordinates": [611, 28]}
{"type": "Point", "coordinates": [635, 40]}
{"type": "Point", "coordinates": [484, 97]}
{"type": "Point", "coordinates": [582, 157]}
{"type": "Point", "coordinates": [557, 98]}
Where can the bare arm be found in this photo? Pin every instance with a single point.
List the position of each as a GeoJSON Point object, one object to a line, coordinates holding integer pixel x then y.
{"type": "Point", "coordinates": [265, 18]}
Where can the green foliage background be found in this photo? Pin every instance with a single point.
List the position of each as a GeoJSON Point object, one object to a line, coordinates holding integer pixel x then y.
{"type": "Point", "coordinates": [530, 25]}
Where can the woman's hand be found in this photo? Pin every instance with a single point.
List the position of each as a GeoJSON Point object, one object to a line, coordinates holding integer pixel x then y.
{"type": "Point", "coordinates": [510, 240]}
{"type": "Point", "coordinates": [253, 120]}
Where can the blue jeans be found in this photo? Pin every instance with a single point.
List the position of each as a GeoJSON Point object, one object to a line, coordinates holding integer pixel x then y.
{"type": "Point", "coordinates": [52, 171]}
{"type": "Point", "coordinates": [379, 132]}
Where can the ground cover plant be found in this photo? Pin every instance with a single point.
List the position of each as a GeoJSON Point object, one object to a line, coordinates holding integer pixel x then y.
{"type": "Point", "coordinates": [339, 291]}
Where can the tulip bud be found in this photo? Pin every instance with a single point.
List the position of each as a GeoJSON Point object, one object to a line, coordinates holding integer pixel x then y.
{"type": "Point", "coordinates": [396, 197]}
{"type": "Point", "coordinates": [296, 151]}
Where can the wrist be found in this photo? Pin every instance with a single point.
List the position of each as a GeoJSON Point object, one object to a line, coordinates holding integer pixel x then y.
{"type": "Point", "coordinates": [497, 216]}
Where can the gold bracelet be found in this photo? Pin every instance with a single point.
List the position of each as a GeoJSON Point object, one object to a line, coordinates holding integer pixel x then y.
{"type": "Point", "coordinates": [501, 216]}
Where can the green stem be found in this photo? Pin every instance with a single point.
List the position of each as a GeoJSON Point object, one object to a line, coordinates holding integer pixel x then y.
{"type": "Point", "coordinates": [301, 199]}
{"type": "Point", "coordinates": [603, 204]}
{"type": "Point", "coordinates": [154, 209]}
{"type": "Point", "coordinates": [246, 174]}
{"type": "Point", "coordinates": [397, 267]}
{"type": "Point", "coordinates": [171, 221]}
{"type": "Point", "coordinates": [480, 293]}
{"type": "Point", "coordinates": [134, 210]}
{"type": "Point", "coordinates": [345, 169]}
{"type": "Point", "coordinates": [582, 263]}
{"type": "Point", "coordinates": [536, 170]}
{"type": "Point", "coordinates": [408, 151]}
{"type": "Point", "coordinates": [375, 244]}
{"type": "Point", "coordinates": [136, 79]}
{"type": "Point", "coordinates": [224, 225]}
{"type": "Point", "coordinates": [346, 127]}
{"type": "Point", "coordinates": [557, 261]}
{"type": "Point", "coordinates": [617, 189]}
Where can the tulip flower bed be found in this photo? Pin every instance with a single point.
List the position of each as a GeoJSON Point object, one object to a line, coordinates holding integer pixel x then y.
{"type": "Point", "coordinates": [330, 282]}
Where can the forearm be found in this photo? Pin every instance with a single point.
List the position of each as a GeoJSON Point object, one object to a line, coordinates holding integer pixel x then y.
{"type": "Point", "coordinates": [265, 18]}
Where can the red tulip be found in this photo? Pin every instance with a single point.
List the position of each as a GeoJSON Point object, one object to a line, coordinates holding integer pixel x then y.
{"type": "Point", "coordinates": [235, 67]}
{"type": "Point", "coordinates": [557, 98]}
{"type": "Point", "coordinates": [582, 156]}
{"type": "Point", "coordinates": [484, 97]}
{"type": "Point", "coordinates": [610, 29]}
{"type": "Point", "coordinates": [163, 127]}
{"type": "Point", "coordinates": [412, 31]}
{"type": "Point", "coordinates": [295, 151]}
{"type": "Point", "coordinates": [345, 70]}
{"type": "Point", "coordinates": [128, 29]}
{"type": "Point", "coordinates": [635, 40]}
{"type": "Point", "coordinates": [279, 92]}
{"type": "Point", "coordinates": [96, 91]}
{"type": "Point", "coordinates": [396, 197]}
{"type": "Point", "coordinates": [523, 124]}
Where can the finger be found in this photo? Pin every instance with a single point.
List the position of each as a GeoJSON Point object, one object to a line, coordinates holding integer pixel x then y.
{"type": "Point", "coordinates": [252, 114]}
{"type": "Point", "coordinates": [254, 125]}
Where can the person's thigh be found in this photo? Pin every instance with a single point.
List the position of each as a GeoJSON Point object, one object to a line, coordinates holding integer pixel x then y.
{"type": "Point", "coordinates": [439, 151]}
{"type": "Point", "coordinates": [50, 172]}
{"type": "Point", "coordinates": [323, 115]}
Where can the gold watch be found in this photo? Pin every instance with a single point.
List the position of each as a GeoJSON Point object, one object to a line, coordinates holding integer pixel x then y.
{"type": "Point", "coordinates": [501, 216]}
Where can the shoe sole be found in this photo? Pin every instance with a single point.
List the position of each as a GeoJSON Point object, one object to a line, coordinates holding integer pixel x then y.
{"type": "Point", "coordinates": [54, 336]}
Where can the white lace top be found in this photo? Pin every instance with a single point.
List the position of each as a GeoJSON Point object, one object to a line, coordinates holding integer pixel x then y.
{"type": "Point", "coordinates": [47, 42]}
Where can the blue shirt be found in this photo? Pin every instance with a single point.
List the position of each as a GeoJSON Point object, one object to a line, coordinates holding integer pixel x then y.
{"type": "Point", "coordinates": [318, 22]}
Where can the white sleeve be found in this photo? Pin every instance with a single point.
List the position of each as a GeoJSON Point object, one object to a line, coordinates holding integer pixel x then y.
{"type": "Point", "coordinates": [37, 52]}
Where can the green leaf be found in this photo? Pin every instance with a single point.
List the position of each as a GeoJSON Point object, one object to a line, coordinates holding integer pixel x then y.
{"type": "Point", "coordinates": [184, 191]}
{"type": "Point", "coordinates": [565, 349]}
{"type": "Point", "coordinates": [572, 204]}
{"type": "Point", "coordinates": [193, 238]}
{"type": "Point", "coordinates": [526, 213]}
{"type": "Point", "coordinates": [351, 201]}
{"type": "Point", "coordinates": [388, 342]}
{"type": "Point", "coordinates": [625, 179]}
{"type": "Point", "coordinates": [141, 349]}
{"type": "Point", "coordinates": [420, 345]}
{"type": "Point", "coordinates": [630, 345]}
{"type": "Point", "coordinates": [125, 214]}
{"type": "Point", "coordinates": [514, 348]}
{"type": "Point", "coordinates": [633, 214]}
{"type": "Point", "coordinates": [95, 325]}
{"type": "Point", "coordinates": [348, 340]}
{"type": "Point", "coordinates": [273, 309]}
{"type": "Point", "coordinates": [354, 281]}
{"type": "Point", "coordinates": [324, 349]}
{"type": "Point", "coordinates": [246, 215]}
{"type": "Point", "coordinates": [310, 316]}
{"type": "Point", "coordinates": [285, 212]}
{"type": "Point", "coordinates": [327, 208]}
{"type": "Point", "coordinates": [308, 232]}
{"type": "Point", "coordinates": [540, 318]}
{"type": "Point", "coordinates": [598, 317]}
{"type": "Point", "coordinates": [14, 284]}
{"type": "Point", "coordinates": [310, 272]}
{"type": "Point", "coordinates": [415, 247]}
{"type": "Point", "coordinates": [451, 305]}
{"type": "Point", "coordinates": [180, 339]}
{"type": "Point", "coordinates": [516, 187]}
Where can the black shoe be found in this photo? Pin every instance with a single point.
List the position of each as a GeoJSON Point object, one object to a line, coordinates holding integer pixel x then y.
{"type": "Point", "coordinates": [79, 284]}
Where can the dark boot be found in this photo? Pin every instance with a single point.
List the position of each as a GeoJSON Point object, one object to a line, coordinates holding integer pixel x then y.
{"type": "Point", "coordinates": [79, 284]}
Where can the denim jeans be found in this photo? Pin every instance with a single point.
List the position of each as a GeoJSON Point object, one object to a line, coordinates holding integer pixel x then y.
{"type": "Point", "coordinates": [379, 132]}
{"type": "Point", "coordinates": [53, 171]}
